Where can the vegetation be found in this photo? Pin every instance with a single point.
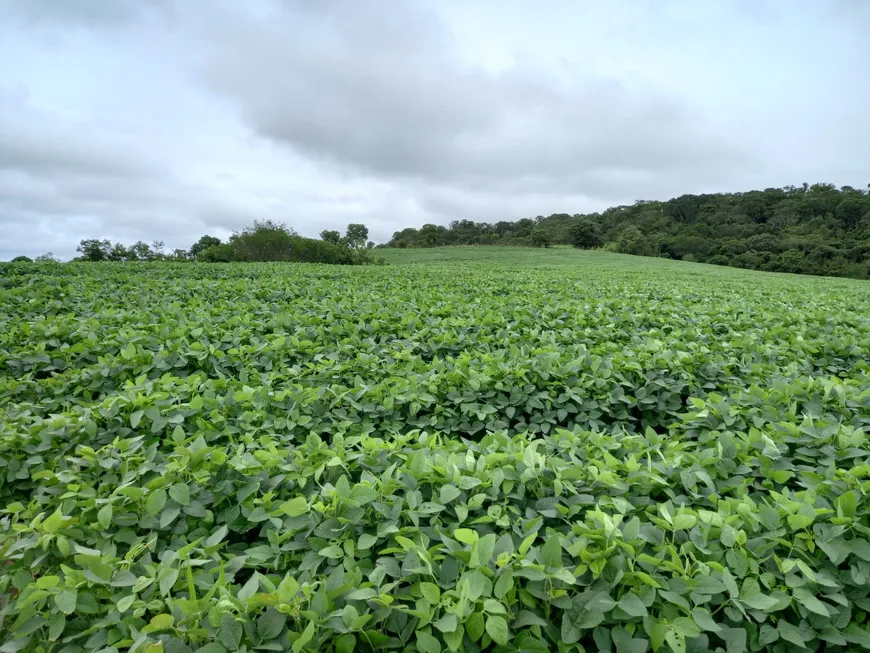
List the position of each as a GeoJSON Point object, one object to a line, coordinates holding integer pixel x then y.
{"type": "Point", "coordinates": [816, 229]}
{"type": "Point", "coordinates": [602, 452]}
{"type": "Point", "coordinates": [261, 242]}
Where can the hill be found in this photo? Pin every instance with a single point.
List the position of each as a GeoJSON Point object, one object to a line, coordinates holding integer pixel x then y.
{"type": "Point", "coordinates": [818, 229]}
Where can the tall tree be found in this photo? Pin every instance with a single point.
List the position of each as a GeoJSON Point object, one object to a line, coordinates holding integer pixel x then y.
{"type": "Point", "coordinates": [93, 249]}
{"type": "Point", "coordinates": [331, 236]}
{"type": "Point", "coordinates": [585, 234]}
{"type": "Point", "coordinates": [203, 244]}
{"type": "Point", "coordinates": [356, 236]}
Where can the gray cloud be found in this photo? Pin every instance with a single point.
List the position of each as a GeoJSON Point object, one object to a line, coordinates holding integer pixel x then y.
{"type": "Point", "coordinates": [385, 93]}
{"type": "Point", "coordinates": [167, 119]}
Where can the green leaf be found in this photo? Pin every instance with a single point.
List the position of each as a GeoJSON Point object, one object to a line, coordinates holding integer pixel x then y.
{"type": "Point", "coordinates": [837, 550]}
{"type": "Point", "coordinates": [625, 643]}
{"type": "Point", "coordinates": [551, 552]}
{"type": "Point", "coordinates": [426, 643]}
{"type": "Point", "coordinates": [180, 493]}
{"type": "Point", "coordinates": [65, 600]}
{"type": "Point", "coordinates": [270, 624]}
{"type": "Point", "coordinates": [296, 507]}
{"type": "Point", "coordinates": [230, 632]}
{"type": "Point", "coordinates": [303, 639]}
{"type": "Point", "coordinates": [632, 605]}
{"type": "Point", "coordinates": [685, 626]}
{"type": "Point", "coordinates": [431, 592]}
{"type": "Point", "coordinates": [703, 618]}
{"type": "Point", "coordinates": [496, 627]}
{"type": "Point", "coordinates": [155, 502]}
{"type": "Point", "coordinates": [334, 552]}
{"type": "Point", "coordinates": [791, 633]}
{"type": "Point", "coordinates": [448, 493]}
{"type": "Point", "coordinates": [162, 622]}
{"type": "Point", "coordinates": [847, 504]}
{"type": "Point", "coordinates": [474, 626]}
{"type": "Point", "coordinates": [855, 634]}
{"type": "Point", "coordinates": [735, 640]}
{"type": "Point", "coordinates": [104, 516]}
{"type": "Point", "coordinates": [752, 596]}
{"type": "Point", "coordinates": [366, 541]}
{"type": "Point", "coordinates": [860, 548]}
{"type": "Point", "coordinates": [54, 522]}
{"type": "Point", "coordinates": [168, 516]}
{"type": "Point", "coordinates": [504, 584]}
{"type": "Point", "coordinates": [124, 603]}
{"type": "Point", "coordinates": [676, 640]}
{"type": "Point", "coordinates": [684, 522]}
{"type": "Point", "coordinates": [810, 602]}
{"type": "Point", "coordinates": [167, 580]}
{"type": "Point", "coordinates": [465, 535]}
{"type": "Point", "coordinates": [447, 623]}
{"type": "Point", "coordinates": [211, 647]}
{"type": "Point", "coordinates": [345, 644]}
{"type": "Point", "coordinates": [800, 521]}
{"type": "Point", "coordinates": [481, 551]}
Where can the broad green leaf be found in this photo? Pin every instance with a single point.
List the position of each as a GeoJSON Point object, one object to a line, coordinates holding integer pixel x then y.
{"type": "Point", "coordinates": [465, 535]}
{"type": "Point", "coordinates": [230, 633]}
{"type": "Point", "coordinates": [632, 605]}
{"type": "Point", "coordinates": [306, 636]}
{"type": "Point", "coordinates": [156, 501]}
{"type": "Point", "coordinates": [104, 516]}
{"type": "Point", "coordinates": [296, 507]}
{"type": "Point", "coordinates": [431, 592]}
{"type": "Point", "coordinates": [66, 600]}
{"type": "Point", "coordinates": [810, 602]}
{"type": "Point", "coordinates": [426, 643]}
{"type": "Point", "coordinates": [180, 493]}
{"type": "Point", "coordinates": [270, 624]}
{"type": "Point", "coordinates": [551, 552]}
{"type": "Point", "coordinates": [448, 494]}
{"type": "Point", "coordinates": [496, 627]}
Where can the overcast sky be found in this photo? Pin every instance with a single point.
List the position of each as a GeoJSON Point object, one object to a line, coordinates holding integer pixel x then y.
{"type": "Point", "coordinates": [169, 119]}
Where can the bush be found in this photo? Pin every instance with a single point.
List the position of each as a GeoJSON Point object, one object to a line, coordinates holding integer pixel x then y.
{"type": "Point", "coordinates": [272, 241]}
{"type": "Point", "coordinates": [585, 234]}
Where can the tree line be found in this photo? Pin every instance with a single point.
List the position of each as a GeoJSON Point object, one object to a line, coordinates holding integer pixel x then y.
{"type": "Point", "coordinates": [265, 240]}
{"type": "Point", "coordinates": [810, 229]}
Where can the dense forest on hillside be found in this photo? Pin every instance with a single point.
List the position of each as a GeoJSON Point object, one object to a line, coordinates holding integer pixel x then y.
{"type": "Point", "coordinates": [810, 229]}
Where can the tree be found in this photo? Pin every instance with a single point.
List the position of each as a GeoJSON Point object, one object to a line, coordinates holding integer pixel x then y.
{"type": "Point", "coordinates": [94, 250]}
{"type": "Point", "coordinates": [48, 257]}
{"type": "Point", "coordinates": [22, 259]}
{"type": "Point", "coordinates": [140, 251]}
{"type": "Point", "coordinates": [331, 236]}
{"type": "Point", "coordinates": [203, 244]}
{"type": "Point", "coordinates": [118, 252]}
{"type": "Point", "coordinates": [356, 236]}
{"type": "Point", "coordinates": [265, 240]}
{"type": "Point", "coordinates": [540, 238]}
{"type": "Point", "coordinates": [632, 241]}
{"type": "Point", "coordinates": [585, 234]}
{"type": "Point", "coordinates": [157, 246]}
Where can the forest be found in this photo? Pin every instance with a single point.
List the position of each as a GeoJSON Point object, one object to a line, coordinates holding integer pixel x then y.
{"type": "Point", "coordinates": [809, 229]}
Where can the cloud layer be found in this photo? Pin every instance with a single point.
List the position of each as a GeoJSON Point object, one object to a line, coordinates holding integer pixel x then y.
{"type": "Point", "coordinates": [166, 120]}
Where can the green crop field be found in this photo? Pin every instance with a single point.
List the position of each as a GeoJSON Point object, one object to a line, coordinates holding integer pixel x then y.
{"type": "Point", "coordinates": [470, 449]}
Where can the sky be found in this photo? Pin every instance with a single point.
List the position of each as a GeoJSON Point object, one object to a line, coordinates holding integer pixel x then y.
{"type": "Point", "coordinates": [169, 119]}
